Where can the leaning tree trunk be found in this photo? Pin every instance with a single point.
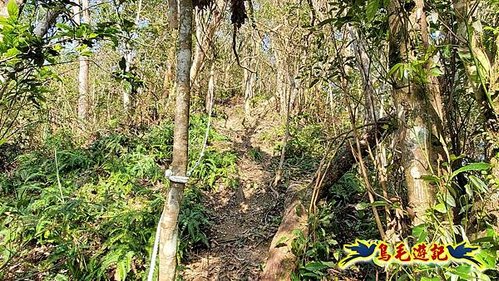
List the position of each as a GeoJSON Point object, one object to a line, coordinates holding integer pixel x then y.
{"type": "Point", "coordinates": [281, 261]}
{"type": "Point", "coordinates": [412, 109]}
{"type": "Point", "coordinates": [169, 222]}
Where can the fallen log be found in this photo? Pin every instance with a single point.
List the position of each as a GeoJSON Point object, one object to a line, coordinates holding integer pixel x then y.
{"type": "Point", "coordinates": [281, 261]}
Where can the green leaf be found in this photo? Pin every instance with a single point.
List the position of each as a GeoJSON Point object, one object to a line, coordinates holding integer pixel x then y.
{"type": "Point", "coordinates": [12, 52]}
{"type": "Point", "coordinates": [315, 266]}
{"type": "Point", "coordinates": [488, 257]}
{"type": "Point", "coordinates": [430, 278]}
{"type": "Point", "coordinates": [361, 206]}
{"type": "Point", "coordinates": [435, 72]}
{"type": "Point", "coordinates": [440, 207]}
{"type": "Point", "coordinates": [478, 184]}
{"type": "Point", "coordinates": [12, 9]}
{"type": "Point", "coordinates": [282, 241]}
{"type": "Point", "coordinates": [378, 203]}
{"type": "Point", "coordinates": [420, 232]}
{"type": "Point", "coordinates": [449, 200]}
{"type": "Point", "coordinates": [463, 271]}
{"type": "Point", "coordinates": [371, 9]}
{"type": "Point", "coordinates": [471, 167]}
{"type": "Point", "coordinates": [430, 178]}
{"type": "Point", "coordinates": [394, 69]}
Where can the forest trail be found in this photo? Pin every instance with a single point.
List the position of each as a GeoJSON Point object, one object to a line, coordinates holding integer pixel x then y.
{"type": "Point", "coordinates": [246, 218]}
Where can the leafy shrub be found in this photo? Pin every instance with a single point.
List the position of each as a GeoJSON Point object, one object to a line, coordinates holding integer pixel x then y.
{"type": "Point", "coordinates": [193, 222]}
{"type": "Point", "coordinates": [331, 229]}
{"type": "Point", "coordinates": [71, 213]}
{"type": "Point", "coordinates": [215, 166]}
{"type": "Point", "coordinates": [305, 146]}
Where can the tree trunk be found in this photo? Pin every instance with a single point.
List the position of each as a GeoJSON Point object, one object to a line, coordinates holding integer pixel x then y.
{"type": "Point", "coordinates": [289, 94]}
{"type": "Point", "coordinates": [203, 39]}
{"type": "Point", "coordinates": [281, 261]}
{"type": "Point", "coordinates": [169, 223]}
{"type": "Point", "coordinates": [488, 109]}
{"type": "Point", "coordinates": [408, 96]}
{"type": "Point", "coordinates": [129, 96]}
{"type": "Point", "coordinates": [211, 90]}
{"type": "Point", "coordinates": [82, 15]}
{"type": "Point", "coordinates": [42, 26]}
{"type": "Point", "coordinates": [173, 14]}
{"type": "Point", "coordinates": [126, 94]}
{"type": "Point", "coordinates": [363, 63]}
{"type": "Point", "coordinates": [249, 79]}
{"type": "Point", "coordinates": [249, 86]}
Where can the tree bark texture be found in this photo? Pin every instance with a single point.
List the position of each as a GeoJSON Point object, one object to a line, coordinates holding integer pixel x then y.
{"type": "Point", "coordinates": [281, 261]}
{"type": "Point", "coordinates": [414, 132]}
{"type": "Point", "coordinates": [173, 14]}
{"type": "Point", "coordinates": [169, 223]}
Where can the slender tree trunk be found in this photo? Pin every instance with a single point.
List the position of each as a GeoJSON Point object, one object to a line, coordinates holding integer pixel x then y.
{"type": "Point", "coordinates": [203, 40]}
{"type": "Point", "coordinates": [249, 81]}
{"type": "Point", "coordinates": [169, 223]}
{"type": "Point", "coordinates": [130, 95]}
{"type": "Point", "coordinates": [363, 63]}
{"type": "Point", "coordinates": [126, 94]}
{"type": "Point", "coordinates": [82, 15]}
{"type": "Point", "coordinates": [281, 85]}
{"type": "Point", "coordinates": [249, 86]}
{"type": "Point", "coordinates": [199, 54]}
{"type": "Point", "coordinates": [408, 96]}
{"type": "Point", "coordinates": [169, 80]}
{"type": "Point", "coordinates": [488, 109]}
{"type": "Point", "coordinates": [173, 14]}
{"type": "Point", "coordinates": [289, 93]}
{"type": "Point", "coordinates": [211, 89]}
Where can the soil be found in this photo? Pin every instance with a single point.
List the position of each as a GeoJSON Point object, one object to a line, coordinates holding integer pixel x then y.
{"type": "Point", "coordinates": [244, 219]}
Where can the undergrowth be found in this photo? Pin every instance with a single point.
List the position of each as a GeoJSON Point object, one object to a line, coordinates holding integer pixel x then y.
{"type": "Point", "coordinates": [90, 213]}
{"type": "Point", "coordinates": [331, 229]}
{"type": "Point", "coordinates": [347, 216]}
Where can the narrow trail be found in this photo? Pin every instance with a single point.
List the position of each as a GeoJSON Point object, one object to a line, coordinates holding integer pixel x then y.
{"type": "Point", "coordinates": [246, 218]}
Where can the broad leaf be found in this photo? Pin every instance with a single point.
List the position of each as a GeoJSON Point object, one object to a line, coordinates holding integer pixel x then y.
{"type": "Point", "coordinates": [471, 167]}
{"type": "Point", "coordinates": [12, 9]}
{"type": "Point", "coordinates": [371, 9]}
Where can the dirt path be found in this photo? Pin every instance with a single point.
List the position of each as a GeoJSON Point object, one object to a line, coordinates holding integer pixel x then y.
{"type": "Point", "coordinates": [244, 219]}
